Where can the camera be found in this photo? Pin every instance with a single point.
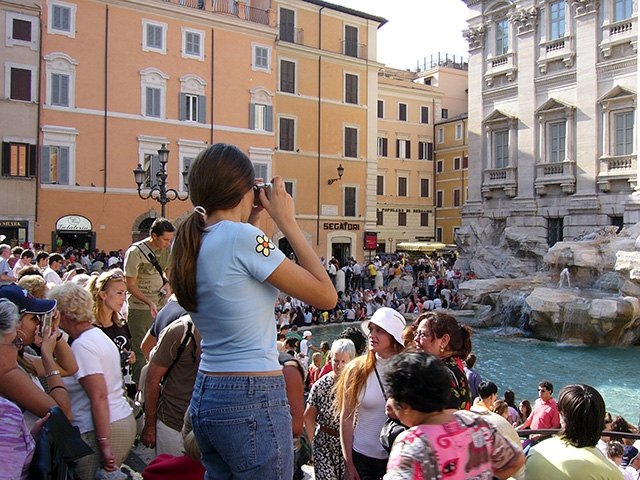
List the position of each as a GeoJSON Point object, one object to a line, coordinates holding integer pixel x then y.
{"type": "Point", "coordinates": [256, 192]}
{"type": "Point", "coordinates": [46, 322]}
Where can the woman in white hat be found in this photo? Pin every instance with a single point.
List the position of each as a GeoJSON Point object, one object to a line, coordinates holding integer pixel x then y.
{"type": "Point", "coordinates": [360, 394]}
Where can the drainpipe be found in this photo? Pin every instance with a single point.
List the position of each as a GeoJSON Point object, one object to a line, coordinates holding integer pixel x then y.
{"type": "Point", "coordinates": [212, 91]}
{"type": "Point", "coordinates": [38, 143]}
{"type": "Point", "coordinates": [106, 96]}
{"type": "Point", "coordinates": [318, 206]}
{"type": "Point", "coordinates": [435, 184]}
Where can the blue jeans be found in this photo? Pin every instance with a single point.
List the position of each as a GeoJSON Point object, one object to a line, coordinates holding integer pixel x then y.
{"type": "Point", "coordinates": [243, 427]}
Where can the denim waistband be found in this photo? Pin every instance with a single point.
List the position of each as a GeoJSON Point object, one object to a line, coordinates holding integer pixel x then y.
{"type": "Point", "coordinates": [240, 382]}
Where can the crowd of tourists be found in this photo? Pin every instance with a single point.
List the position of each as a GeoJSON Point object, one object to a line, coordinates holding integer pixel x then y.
{"type": "Point", "coordinates": [176, 348]}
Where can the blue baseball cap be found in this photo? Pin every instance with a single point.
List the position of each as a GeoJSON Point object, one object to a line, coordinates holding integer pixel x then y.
{"type": "Point", "coordinates": [26, 302]}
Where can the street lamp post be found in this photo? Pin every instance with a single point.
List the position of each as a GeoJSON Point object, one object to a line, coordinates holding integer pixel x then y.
{"type": "Point", "coordinates": [159, 191]}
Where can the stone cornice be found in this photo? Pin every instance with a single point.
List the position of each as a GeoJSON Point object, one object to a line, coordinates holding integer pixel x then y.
{"type": "Point", "coordinates": [526, 19]}
{"type": "Point", "coordinates": [631, 62]}
{"type": "Point", "coordinates": [504, 92]}
{"type": "Point", "coordinates": [585, 7]}
{"type": "Point", "coordinates": [565, 78]}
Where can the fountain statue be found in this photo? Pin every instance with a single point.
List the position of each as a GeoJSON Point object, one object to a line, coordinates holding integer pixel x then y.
{"type": "Point", "coordinates": [603, 268]}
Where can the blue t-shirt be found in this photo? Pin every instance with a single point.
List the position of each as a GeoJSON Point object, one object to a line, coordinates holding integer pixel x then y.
{"type": "Point", "coordinates": [235, 305]}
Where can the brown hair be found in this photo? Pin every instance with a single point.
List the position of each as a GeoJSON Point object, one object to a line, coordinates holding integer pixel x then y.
{"type": "Point", "coordinates": [441, 323]}
{"type": "Point", "coordinates": [218, 179]}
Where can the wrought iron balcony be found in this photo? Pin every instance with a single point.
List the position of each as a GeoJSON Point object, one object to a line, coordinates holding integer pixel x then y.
{"type": "Point", "coordinates": [234, 8]}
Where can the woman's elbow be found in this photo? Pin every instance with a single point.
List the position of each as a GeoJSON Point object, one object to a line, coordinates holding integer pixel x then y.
{"type": "Point", "coordinates": [327, 301]}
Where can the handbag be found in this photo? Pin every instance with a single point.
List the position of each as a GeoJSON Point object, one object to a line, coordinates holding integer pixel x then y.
{"type": "Point", "coordinates": [391, 427]}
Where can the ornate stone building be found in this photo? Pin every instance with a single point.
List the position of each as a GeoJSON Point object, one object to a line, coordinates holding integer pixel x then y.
{"type": "Point", "coordinates": [552, 136]}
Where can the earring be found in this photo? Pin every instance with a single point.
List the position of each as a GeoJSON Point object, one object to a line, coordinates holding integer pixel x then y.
{"type": "Point", "coordinates": [441, 348]}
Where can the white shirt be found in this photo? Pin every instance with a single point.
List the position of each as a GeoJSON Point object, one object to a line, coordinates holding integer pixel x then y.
{"type": "Point", "coordinates": [51, 276]}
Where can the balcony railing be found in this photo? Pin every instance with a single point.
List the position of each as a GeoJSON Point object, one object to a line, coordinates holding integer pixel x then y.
{"type": "Point", "coordinates": [290, 34]}
{"type": "Point", "coordinates": [559, 173]}
{"type": "Point", "coordinates": [500, 65]}
{"type": "Point", "coordinates": [500, 179]}
{"type": "Point", "coordinates": [618, 33]}
{"type": "Point", "coordinates": [228, 7]}
{"type": "Point", "coordinates": [562, 49]}
{"type": "Point", "coordinates": [354, 49]}
{"type": "Point", "coordinates": [617, 168]}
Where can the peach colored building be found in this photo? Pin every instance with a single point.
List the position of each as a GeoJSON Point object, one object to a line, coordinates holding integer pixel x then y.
{"type": "Point", "coordinates": [325, 120]}
{"type": "Point", "coordinates": [452, 168]}
{"type": "Point", "coordinates": [120, 79]}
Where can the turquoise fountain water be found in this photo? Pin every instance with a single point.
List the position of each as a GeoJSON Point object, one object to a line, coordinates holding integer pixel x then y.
{"type": "Point", "coordinates": [520, 363]}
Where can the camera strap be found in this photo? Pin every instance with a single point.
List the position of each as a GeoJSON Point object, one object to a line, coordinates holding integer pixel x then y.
{"type": "Point", "coordinates": [151, 258]}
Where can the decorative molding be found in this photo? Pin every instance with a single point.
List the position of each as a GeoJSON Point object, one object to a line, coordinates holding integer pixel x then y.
{"type": "Point", "coordinates": [501, 92]}
{"type": "Point", "coordinates": [630, 63]}
{"type": "Point", "coordinates": [475, 36]}
{"type": "Point", "coordinates": [585, 7]}
{"type": "Point", "coordinates": [565, 78]}
{"type": "Point", "coordinates": [526, 19]}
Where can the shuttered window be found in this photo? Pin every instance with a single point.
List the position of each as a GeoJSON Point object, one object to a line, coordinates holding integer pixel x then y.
{"type": "Point", "coordinates": [287, 76]}
{"type": "Point", "coordinates": [350, 142]}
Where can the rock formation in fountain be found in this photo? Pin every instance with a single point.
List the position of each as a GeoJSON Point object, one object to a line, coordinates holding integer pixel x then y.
{"type": "Point", "coordinates": [601, 307]}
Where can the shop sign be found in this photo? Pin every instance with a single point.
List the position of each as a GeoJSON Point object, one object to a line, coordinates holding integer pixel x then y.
{"type": "Point", "coordinates": [73, 223]}
{"type": "Point", "coordinates": [13, 224]}
{"type": "Point", "coordinates": [406, 210]}
{"type": "Point", "coordinates": [341, 226]}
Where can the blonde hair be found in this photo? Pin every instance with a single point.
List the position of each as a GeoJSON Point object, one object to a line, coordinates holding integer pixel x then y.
{"type": "Point", "coordinates": [97, 284]}
{"type": "Point", "coordinates": [316, 356]}
{"type": "Point", "coordinates": [354, 379]}
{"type": "Point", "coordinates": [73, 301]}
{"type": "Point", "coordinates": [500, 407]}
{"type": "Point", "coordinates": [35, 285]}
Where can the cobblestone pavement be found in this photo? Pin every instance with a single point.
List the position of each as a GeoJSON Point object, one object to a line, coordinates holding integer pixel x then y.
{"type": "Point", "coordinates": [140, 456]}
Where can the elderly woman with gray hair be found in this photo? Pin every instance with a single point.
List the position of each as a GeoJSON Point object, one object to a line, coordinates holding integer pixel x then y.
{"type": "Point", "coordinates": [16, 442]}
{"type": "Point", "coordinates": [98, 402]}
{"type": "Point", "coordinates": [320, 412]}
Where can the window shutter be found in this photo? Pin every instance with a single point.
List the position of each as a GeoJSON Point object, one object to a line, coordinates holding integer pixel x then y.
{"type": "Point", "coordinates": [150, 36]}
{"type": "Point", "coordinates": [397, 148]}
{"type": "Point", "coordinates": [6, 158]}
{"type": "Point", "coordinates": [268, 118]}
{"type": "Point", "coordinates": [33, 161]}
{"type": "Point", "coordinates": [349, 202]}
{"type": "Point", "coordinates": [55, 89]}
{"type": "Point", "coordinates": [252, 116]}
{"type": "Point", "coordinates": [183, 106]}
{"type": "Point", "coordinates": [64, 90]}
{"type": "Point", "coordinates": [385, 147]}
{"type": "Point", "coordinates": [158, 36]}
{"type": "Point", "coordinates": [149, 102]}
{"type": "Point", "coordinates": [429, 150]}
{"type": "Point", "coordinates": [202, 109]}
{"type": "Point", "coordinates": [63, 165]}
{"type": "Point", "coordinates": [156, 102]}
{"type": "Point", "coordinates": [407, 153]}
{"type": "Point", "coordinates": [65, 14]}
{"type": "Point", "coordinates": [45, 165]}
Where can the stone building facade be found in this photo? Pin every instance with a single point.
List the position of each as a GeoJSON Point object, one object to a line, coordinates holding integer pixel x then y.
{"type": "Point", "coordinates": [552, 124]}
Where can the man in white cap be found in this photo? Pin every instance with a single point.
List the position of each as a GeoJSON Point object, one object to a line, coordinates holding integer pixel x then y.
{"type": "Point", "coordinates": [305, 346]}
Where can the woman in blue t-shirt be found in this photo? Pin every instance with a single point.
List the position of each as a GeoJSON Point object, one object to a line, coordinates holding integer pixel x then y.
{"type": "Point", "coordinates": [227, 274]}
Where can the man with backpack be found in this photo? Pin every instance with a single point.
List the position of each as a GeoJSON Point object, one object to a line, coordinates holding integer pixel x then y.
{"type": "Point", "coordinates": [171, 374]}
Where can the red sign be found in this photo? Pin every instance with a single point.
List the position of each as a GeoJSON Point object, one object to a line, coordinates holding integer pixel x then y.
{"type": "Point", "coordinates": [370, 240]}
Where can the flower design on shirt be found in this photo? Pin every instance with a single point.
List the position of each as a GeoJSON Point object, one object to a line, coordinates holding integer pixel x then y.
{"type": "Point", "coordinates": [264, 245]}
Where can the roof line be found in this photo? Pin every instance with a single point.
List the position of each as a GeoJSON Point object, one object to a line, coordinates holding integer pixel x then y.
{"type": "Point", "coordinates": [348, 10]}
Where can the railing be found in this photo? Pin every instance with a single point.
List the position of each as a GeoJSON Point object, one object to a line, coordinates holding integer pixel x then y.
{"type": "Point", "coordinates": [558, 173]}
{"type": "Point", "coordinates": [287, 33]}
{"type": "Point", "coordinates": [256, 15]}
{"type": "Point", "coordinates": [498, 62]}
{"type": "Point", "coordinates": [225, 6]}
{"type": "Point", "coordinates": [622, 165]}
{"type": "Point", "coordinates": [229, 7]}
{"type": "Point", "coordinates": [554, 50]}
{"type": "Point", "coordinates": [441, 59]}
{"type": "Point", "coordinates": [618, 33]}
{"type": "Point", "coordinates": [354, 49]}
{"type": "Point", "coordinates": [500, 65]}
{"type": "Point", "coordinates": [499, 177]}
{"type": "Point", "coordinates": [557, 45]}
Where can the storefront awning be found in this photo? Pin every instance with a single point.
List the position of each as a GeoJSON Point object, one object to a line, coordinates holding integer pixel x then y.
{"type": "Point", "coordinates": [420, 246]}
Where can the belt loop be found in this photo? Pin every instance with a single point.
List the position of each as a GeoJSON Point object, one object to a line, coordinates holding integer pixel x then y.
{"type": "Point", "coordinates": [251, 386]}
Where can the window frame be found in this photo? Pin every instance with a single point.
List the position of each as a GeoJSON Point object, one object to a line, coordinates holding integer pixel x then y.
{"type": "Point", "coordinates": [439, 200]}
{"type": "Point", "coordinates": [15, 42]}
{"type": "Point", "coordinates": [457, 163]}
{"type": "Point", "coordinates": [424, 114]}
{"type": "Point", "coordinates": [255, 66]}
{"type": "Point", "coordinates": [425, 187]}
{"type": "Point", "coordinates": [30, 158]}
{"type": "Point", "coordinates": [293, 120]}
{"type": "Point", "coordinates": [402, 185]}
{"type": "Point", "coordinates": [351, 128]}
{"type": "Point", "coordinates": [501, 36]}
{"type": "Point", "coordinates": [557, 19]}
{"type": "Point", "coordinates": [380, 184]}
{"type": "Point", "coordinates": [351, 97]}
{"type": "Point", "coordinates": [202, 40]}
{"type": "Point", "coordinates": [293, 82]}
{"type": "Point", "coordinates": [356, 191]}
{"type": "Point", "coordinates": [380, 109]}
{"type": "Point", "coordinates": [402, 219]}
{"type": "Point", "coordinates": [440, 165]}
{"type": "Point", "coordinates": [9, 67]}
{"type": "Point", "coordinates": [350, 45]}
{"type": "Point", "coordinates": [403, 148]}
{"type": "Point", "coordinates": [62, 137]}
{"type": "Point", "coordinates": [441, 135]}
{"type": "Point", "coordinates": [146, 47]}
{"type": "Point", "coordinates": [626, 5]}
{"type": "Point", "coordinates": [424, 219]}
{"type": "Point", "coordinates": [458, 131]}
{"type": "Point", "coordinates": [289, 29]}
{"type": "Point", "coordinates": [58, 63]}
{"type": "Point", "coordinates": [383, 146]}
{"type": "Point", "coordinates": [629, 137]}
{"type": "Point", "coordinates": [404, 114]}
{"type": "Point", "coordinates": [153, 78]}
{"type": "Point", "coordinates": [457, 197]}
{"type": "Point", "coordinates": [51, 29]}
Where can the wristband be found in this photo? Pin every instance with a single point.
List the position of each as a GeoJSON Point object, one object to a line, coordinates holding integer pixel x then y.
{"type": "Point", "coordinates": [102, 439]}
{"type": "Point", "coordinates": [60, 336]}
{"type": "Point", "coordinates": [52, 373]}
{"type": "Point", "coordinates": [57, 386]}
